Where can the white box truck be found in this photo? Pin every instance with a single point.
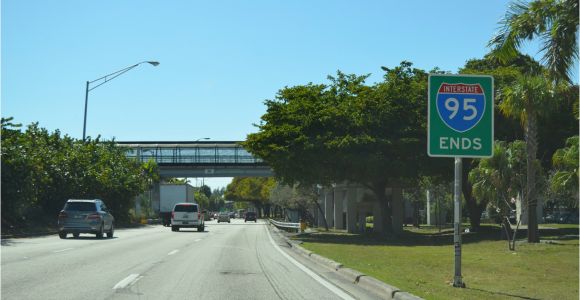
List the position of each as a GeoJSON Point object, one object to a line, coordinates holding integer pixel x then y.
{"type": "Point", "coordinates": [171, 194]}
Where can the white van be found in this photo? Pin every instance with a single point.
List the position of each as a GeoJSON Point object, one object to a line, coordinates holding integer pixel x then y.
{"type": "Point", "coordinates": [186, 215]}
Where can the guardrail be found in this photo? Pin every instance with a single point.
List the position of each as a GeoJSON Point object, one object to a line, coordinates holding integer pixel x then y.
{"type": "Point", "coordinates": [286, 226]}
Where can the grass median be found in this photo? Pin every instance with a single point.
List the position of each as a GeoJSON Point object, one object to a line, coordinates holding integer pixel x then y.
{"type": "Point", "coordinates": [421, 262]}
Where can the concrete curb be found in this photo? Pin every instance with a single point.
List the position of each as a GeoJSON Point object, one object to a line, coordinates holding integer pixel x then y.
{"type": "Point", "coordinates": [385, 291]}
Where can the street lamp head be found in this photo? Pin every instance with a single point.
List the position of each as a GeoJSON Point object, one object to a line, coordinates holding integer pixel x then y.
{"type": "Point", "coordinates": [154, 63]}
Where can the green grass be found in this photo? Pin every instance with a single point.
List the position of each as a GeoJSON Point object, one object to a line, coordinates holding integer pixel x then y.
{"type": "Point", "coordinates": [421, 262]}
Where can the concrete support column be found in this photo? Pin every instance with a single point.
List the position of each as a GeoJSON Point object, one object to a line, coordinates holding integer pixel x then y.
{"type": "Point", "coordinates": [155, 197]}
{"type": "Point", "coordinates": [319, 212]}
{"type": "Point", "coordinates": [138, 206]}
{"type": "Point", "coordinates": [339, 195]}
{"type": "Point", "coordinates": [362, 221]}
{"type": "Point", "coordinates": [397, 205]}
{"type": "Point", "coordinates": [377, 218]}
{"type": "Point", "coordinates": [351, 200]}
{"type": "Point", "coordinates": [329, 206]}
{"type": "Point", "coordinates": [428, 207]}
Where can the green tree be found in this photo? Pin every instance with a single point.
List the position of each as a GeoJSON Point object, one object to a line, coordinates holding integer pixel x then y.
{"type": "Point", "coordinates": [216, 199]}
{"type": "Point", "coordinates": [202, 199]}
{"type": "Point", "coordinates": [205, 190]}
{"type": "Point", "coordinates": [564, 179]}
{"type": "Point", "coordinates": [297, 197]}
{"type": "Point", "coordinates": [526, 99]}
{"type": "Point", "coordinates": [558, 123]}
{"type": "Point", "coordinates": [250, 189]}
{"type": "Point", "coordinates": [555, 22]}
{"type": "Point", "coordinates": [41, 170]}
{"type": "Point", "coordinates": [499, 179]}
{"type": "Point", "coordinates": [346, 130]}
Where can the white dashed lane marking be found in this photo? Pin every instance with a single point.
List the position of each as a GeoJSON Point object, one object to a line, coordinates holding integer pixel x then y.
{"type": "Point", "coordinates": [129, 280]}
{"type": "Point", "coordinates": [63, 250]}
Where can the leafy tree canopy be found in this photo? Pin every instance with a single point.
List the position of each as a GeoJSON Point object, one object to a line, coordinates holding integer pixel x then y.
{"type": "Point", "coordinates": [347, 130]}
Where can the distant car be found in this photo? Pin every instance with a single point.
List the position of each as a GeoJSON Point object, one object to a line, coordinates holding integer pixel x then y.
{"type": "Point", "coordinates": [232, 215]}
{"type": "Point", "coordinates": [568, 218]}
{"type": "Point", "coordinates": [250, 216]}
{"type": "Point", "coordinates": [224, 217]}
{"type": "Point", "coordinates": [85, 216]}
{"type": "Point", "coordinates": [186, 215]}
{"type": "Point", "coordinates": [551, 218]}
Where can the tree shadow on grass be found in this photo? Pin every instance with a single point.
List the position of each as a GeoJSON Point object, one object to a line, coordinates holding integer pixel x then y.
{"type": "Point", "coordinates": [414, 237]}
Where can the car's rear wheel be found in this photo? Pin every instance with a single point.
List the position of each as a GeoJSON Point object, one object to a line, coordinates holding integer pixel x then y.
{"type": "Point", "coordinates": [174, 228]}
{"type": "Point", "coordinates": [101, 231]}
{"type": "Point", "coordinates": [112, 231]}
{"type": "Point", "coordinates": [201, 228]}
{"type": "Point", "coordinates": [62, 235]}
{"type": "Point", "coordinates": [76, 235]}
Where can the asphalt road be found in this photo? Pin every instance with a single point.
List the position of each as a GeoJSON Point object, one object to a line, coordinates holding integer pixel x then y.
{"type": "Point", "coordinates": [227, 261]}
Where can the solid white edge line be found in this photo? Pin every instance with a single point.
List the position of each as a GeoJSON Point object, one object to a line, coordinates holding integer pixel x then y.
{"type": "Point", "coordinates": [197, 240]}
{"type": "Point", "coordinates": [315, 276]}
{"type": "Point", "coordinates": [173, 252]}
{"type": "Point", "coordinates": [127, 281]}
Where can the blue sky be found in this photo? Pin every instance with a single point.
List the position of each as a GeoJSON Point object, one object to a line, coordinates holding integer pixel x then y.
{"type": "Point", "coordinates": [219, 59]}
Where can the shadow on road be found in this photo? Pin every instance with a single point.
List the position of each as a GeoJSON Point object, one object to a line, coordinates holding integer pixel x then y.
{"type": "Point", "coordinates": [90, 238]}
{"type": "Point", "coordinates": [184, 230]}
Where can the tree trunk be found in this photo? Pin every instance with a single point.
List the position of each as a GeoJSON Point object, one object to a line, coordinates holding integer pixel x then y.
{"type": "Point", "coordinates": [378, 189]}
{"type": "Point", "coordinates": [416, 215]}
{"type": "Point", "coordinates": [531, 149]}
{"type": "Point", "coordinates": [475, 209]}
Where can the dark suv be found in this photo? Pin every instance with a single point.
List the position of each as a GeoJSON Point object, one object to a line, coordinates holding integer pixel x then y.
{"type": "Point", "coordinates": [250, 216]}
{"type": "Point", "coordinates": [85, 216]}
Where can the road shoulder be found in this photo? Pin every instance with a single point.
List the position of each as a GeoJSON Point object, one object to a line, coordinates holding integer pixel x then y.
{"type": "Point", "coordinates": [359, 285]}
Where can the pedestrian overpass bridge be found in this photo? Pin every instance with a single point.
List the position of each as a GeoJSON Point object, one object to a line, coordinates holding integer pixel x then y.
{"type": "Point", "coordinates": [198, 159]}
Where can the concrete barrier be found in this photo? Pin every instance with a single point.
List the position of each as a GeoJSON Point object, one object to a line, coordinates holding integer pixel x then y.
{"type": "Point", "coordinates": [370, 283]}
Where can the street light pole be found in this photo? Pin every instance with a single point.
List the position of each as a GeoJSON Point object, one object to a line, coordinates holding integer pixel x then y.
{"type": "Point", "coordinates": [86, 103]}
{"type": "Point", "coordinates": [104, 80]}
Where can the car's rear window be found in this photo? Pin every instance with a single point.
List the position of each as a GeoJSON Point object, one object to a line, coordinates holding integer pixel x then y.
{"type": "Point", "coordinates": [186, 208]}
{"type": "Point", "coordinates": [80, 206]}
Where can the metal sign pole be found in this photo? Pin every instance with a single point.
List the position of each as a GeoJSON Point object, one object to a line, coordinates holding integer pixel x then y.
{"type": "Point", "coordinates": [457, 280]}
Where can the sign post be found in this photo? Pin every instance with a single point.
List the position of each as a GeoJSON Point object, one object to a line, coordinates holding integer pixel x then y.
{"type": "Point", "coordinates": [460, 124]}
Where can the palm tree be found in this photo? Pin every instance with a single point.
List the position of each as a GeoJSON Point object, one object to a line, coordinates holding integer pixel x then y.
{"type": "Point", "coordinates": [499, 178]}
{"type": "Point", "coordinates": [565, 178]}
{"type": "Point", "coordinates": [555, 22]}
{"type": "Point", "coordinates": [525, 100]}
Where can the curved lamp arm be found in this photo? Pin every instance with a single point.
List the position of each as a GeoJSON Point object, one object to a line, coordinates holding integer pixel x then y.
{"type": "Point", "coordinates": [104, 80]}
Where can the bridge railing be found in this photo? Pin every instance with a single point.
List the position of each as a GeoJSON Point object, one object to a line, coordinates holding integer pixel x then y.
{"type": "Point", "coordinates": [219, 153]}
{"type": "Point", "coordinates": [286, 225]}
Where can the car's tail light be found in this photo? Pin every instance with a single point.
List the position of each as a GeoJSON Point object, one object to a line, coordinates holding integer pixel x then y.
{"type": "Point", "coordinates": [94, 216]}
{"type": "Point", "coordinates": [62, 215]}
{"type": "Point", "coordinates": [198, 216]}
{"type": "Point", "coordinates": [173, 215]}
